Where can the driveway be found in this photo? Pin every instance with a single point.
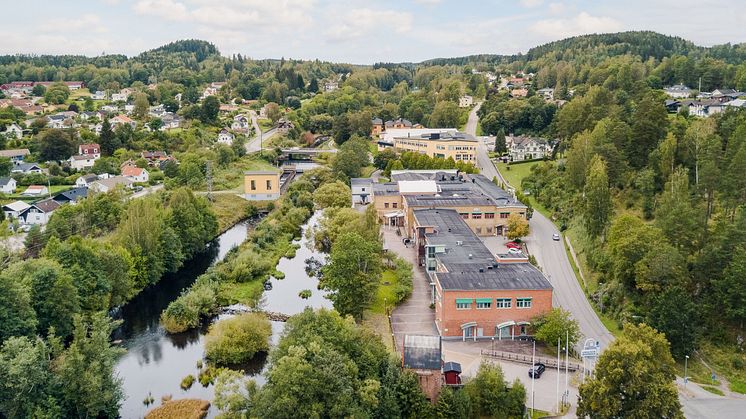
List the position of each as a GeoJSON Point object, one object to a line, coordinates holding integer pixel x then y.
{"type": "Point", "coordinates": [413, 316]}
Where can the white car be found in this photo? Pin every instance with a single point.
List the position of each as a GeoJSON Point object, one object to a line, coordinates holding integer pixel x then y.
{"type": "Point", "coordinates": [515, 251]}
{"type": "Point", "coordinates": [555, 237]}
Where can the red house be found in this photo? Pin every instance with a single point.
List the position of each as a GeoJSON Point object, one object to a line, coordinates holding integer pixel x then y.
{"type": "Point", "coordinates": [452, 373]}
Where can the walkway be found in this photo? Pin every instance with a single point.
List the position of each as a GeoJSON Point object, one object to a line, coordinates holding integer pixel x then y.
{"type": "Point", "coordinates": [413, 316]}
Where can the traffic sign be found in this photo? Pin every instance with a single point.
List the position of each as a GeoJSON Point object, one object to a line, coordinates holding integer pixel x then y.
{"type": "Point", "coordinates": [589, 353]}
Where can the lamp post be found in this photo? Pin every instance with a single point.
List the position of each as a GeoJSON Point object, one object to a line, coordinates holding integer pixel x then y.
{"type": "Point", "coordinates": [686, 364]}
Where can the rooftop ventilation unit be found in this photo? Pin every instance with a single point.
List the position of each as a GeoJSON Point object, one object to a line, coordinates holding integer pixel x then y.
{"type": "Point", "coordinates": [460, 243]}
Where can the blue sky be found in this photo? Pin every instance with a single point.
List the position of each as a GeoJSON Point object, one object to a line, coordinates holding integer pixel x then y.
{"type": "Point", "coordinates": [355, 31]}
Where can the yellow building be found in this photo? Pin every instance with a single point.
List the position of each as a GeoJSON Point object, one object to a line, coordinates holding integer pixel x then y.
{"type": "Point", "coordinates": [443, 143]}
{"type": "Point", "coordinates": [482, 205]}
{"type": "Point", "coordinates": [262, 185]}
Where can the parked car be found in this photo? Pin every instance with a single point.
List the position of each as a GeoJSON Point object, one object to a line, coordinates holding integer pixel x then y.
{"type": "Point", "coordinates": [555, 237]}
{"type": "Point", "coordinates": [513, 251]}
{"type": "Point", "coordinates": [513, 245]}
{"type": "Point", "coordinates": [536, 370]}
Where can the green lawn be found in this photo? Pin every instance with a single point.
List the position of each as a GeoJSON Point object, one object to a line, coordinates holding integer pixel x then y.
{"type": "Point", "coordinates": [367, 171]}
{"type": "Point", "coordinates": [265, 124]}
{"type": "Point", "coordinates": [53, 189]}
{"type": "Point", "coordinates": [385, 294]}
{"type": "Point", "coordinates": [514, 173]}
{"type": "Point", "coordinates": [231, 177]}
{"type": "Point", "coordinates": [375, 318]}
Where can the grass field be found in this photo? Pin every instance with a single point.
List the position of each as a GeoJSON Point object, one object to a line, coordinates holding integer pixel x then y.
{"type": "Point", "coordinates": [385, 295]}
{"type": "Point", "coordinates": [265, 124]}
{"type": "Point", "coordinates": [231, 177]}
{"type": "Point", "coordinates": [54, 189]}
{"type": "Point", "coordinates": [229, 209]}
{"type": "Point", "coordinates": [376, 318]}
{"type": "Point", "coordinates": [515, 173]}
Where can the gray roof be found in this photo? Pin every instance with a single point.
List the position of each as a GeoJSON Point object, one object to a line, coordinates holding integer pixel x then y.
{"type": "Point", "coordinates": [386, 189]}
{"type": "Point", "coordinates": [47, 205]}
{"type": "Point", "coordinates": [422, 352]}
{"type": "Point", "coordinates": [452, 366]}
{"type": "Point", "coordinates": [19, 152]}
{"type": "Point", "coordinates": [5, 180]}
{"type": "Point", "coordinates": [24, 167]}
{"type": "Point", "coordinates": [474, 189]}
{"type": "Point", "coordinates": [469, 264]}
{"type": "Point", "coordinates": [441, 136]}
{"type": "Point", "coordinates": [448, 200]}
{"type": "Point", "coordinates": [73, 194]}
{"type": "Point", "coordinates": [361, 181]}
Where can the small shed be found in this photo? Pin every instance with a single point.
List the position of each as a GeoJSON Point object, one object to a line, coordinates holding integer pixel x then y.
{"type": "Point", "coordinates": [452, 373]}
{"type": "Point", "coordinates": [423, 356]}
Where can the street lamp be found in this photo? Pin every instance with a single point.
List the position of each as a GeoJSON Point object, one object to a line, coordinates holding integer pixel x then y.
{"type": "Point", "coordinates": [686, 364]}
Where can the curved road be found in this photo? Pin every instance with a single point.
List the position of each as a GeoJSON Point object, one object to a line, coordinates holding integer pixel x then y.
{"type": "Point", "coordinates": [255, 143]}
{"type": "Point", "coordinates": [551, 256]}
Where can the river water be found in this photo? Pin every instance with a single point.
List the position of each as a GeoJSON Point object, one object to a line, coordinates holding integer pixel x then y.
{"type": "Point", "coordinates": [156, 361]}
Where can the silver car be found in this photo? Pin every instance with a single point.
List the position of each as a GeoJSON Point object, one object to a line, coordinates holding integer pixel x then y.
{"type": "Point", "coordinates": [555, 237]}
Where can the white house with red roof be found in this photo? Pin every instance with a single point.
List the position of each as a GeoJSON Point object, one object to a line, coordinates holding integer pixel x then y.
{"type": "Point", "coordinates": [92, 149]}
{"type": "Point", "coordinates": [135, 174]}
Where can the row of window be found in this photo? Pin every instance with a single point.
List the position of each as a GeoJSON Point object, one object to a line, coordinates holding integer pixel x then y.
{"type": "Point", "coordinates": [487, 215]}
{"type": "Point", "coordinates": [253, 185]}
{"type": "Point", "coordinates": [393, 205]}
{"type": "Point", "coordinates": [486, 303]}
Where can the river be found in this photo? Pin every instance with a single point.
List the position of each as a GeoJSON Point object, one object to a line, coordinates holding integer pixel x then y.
{"type": "Point", "coordinates": [156, 361]}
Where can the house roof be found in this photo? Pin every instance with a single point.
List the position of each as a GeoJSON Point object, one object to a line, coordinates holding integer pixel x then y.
{"type": "Point", "coordinates": [452, 366]}
{"type": "Point", "coordinates": [361, 181]}
{"type": "Point", "coordinates": [422, 352]}
{"type": "Point", "coordinates": [24, 167]}
{"type": "Point", "coordinates": [5, 180]}
{"type": "Point", "coordinates": [376, 121]}
{"type": "Point", "coordinates": [46, 205]}
{"type": "Point", "coordinates": [73, 194]}
{"type": "Point", "coordinates": [261, 172]}
{"type": "Point", "coordinates": [36, 188]}
{"type": "Point", "coordinates": [19, 152]}
{"type": "Point", "coordinates": [81, 157]}
{"type": "Point", "coordinates": [132, 171]}
{"type": "Point", "coordinates": [16, 206]}
{"type": "Point", "coordinates": [114, 181]}
{"type": "Point", "coordinates": [89, 178]}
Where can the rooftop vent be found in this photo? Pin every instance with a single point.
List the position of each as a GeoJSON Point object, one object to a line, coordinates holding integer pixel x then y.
{"type": "Point", "coordinates": [460, 243]}
{"type": "Point", "coordinates": [471, 256]}
{"type": "Point", "coordinates": [481, 270]}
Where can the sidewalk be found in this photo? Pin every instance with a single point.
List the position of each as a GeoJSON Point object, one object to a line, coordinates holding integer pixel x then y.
{"type": "Point", "coordinates": [413, 316]}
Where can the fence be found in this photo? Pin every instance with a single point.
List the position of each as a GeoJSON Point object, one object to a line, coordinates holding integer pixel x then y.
{"type": "Point", "coordinates": [527, 359]}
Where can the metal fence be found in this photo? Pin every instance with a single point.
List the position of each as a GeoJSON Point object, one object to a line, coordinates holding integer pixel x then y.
{"type": "Point", "coordinates": [526, 359]}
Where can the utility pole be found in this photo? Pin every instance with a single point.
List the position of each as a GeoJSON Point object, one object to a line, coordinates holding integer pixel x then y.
{"type": "Point", "coordinates": [533, 377]}
{"type": "Point", "coordinates": [567, 358]}
{"type": "Point", "coordinates": [208, 174]}
{"type": "Point", "coordinates": [558, 374]}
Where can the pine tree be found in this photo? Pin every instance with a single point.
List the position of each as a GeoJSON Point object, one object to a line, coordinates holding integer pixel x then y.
{"type": "Point", "coordinates": [500, 146]}
{"type": "Point", "coordinates": [107, 141]}
{"type": "Point", "coordinates": [597, 198]}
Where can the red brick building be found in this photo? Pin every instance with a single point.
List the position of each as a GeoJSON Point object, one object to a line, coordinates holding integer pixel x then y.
{"type": "Point", "coordinates": [475, 293]}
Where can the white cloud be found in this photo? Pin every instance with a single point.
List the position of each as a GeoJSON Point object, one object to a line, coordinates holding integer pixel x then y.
{"type": "Point", "coordinates": [556, 8]}
{"type": "Point", "coordinates": [357, 23]}
{"type": "Point", "coordinates": [88, 22]}
{"type": "Point", "coordinates": [239, 14]}
{"type": "Point", "coordinates": [167, 9]}
{"type": "Point", "coordinates": [531, 3]}
{"type": "Point", "coordinates": [584, 23]}
{"type": "Point", "coordinates": [428, 2]}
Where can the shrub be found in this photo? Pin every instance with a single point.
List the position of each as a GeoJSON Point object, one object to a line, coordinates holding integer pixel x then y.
{"type": "Point", "coordinates": [403, 272]}
{"type": "Point", "coordinates": [185, 312]}
{"type": "Point", "coordinates": [183, 408]}
{"type": "Point", "coordinates": [186, 382]}
{"type": "Point", "coordinates": [238, 339]}
{"type": "Point", "coordinates": [305, 294]}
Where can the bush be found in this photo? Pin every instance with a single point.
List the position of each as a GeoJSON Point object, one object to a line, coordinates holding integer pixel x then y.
{"type": "Point", "coordinates": [186, 311]}
{"type": "Point", "coordinates": [186, 382]}
{"type": "Point", "coordinates": [403, 274]}
{"type": "Point", "coordinates": [238, 339]}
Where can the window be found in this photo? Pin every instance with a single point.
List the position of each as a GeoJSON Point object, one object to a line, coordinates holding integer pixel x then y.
{"type": "Point", "coordinates": [523, 302]}
{"type": "Point", "coordinates": [362, 189]}
{"type": "Point", "coordinates": [489, 229]}
{"type": "Point", "coordinates": [463, 303]}
{"type": "Point", "coordinates": [465, 215]}
{"type": "Point", "coordinates": [489, 215]}
{"type": "Point", "coordinates": [395, 204]}
{"type": "Point", "coordinates": [503, 302]}
{"type": "Point", "coordinates": [269, 185]}
{"type": "Point", "coordinates": [476, 216]}
{"type": "Point", "coordinates": [484, 303]}
{"type": "Point", "coordinates": [386, 205]}
{"type": "Point", "coordinates": [253, 185]}
{"type": "Point", "coordinates": [479, 230]}
{"type": "Point", "coordinates": [504, 214]}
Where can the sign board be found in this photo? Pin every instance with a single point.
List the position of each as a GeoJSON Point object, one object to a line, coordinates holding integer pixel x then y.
{"type": "Point", "coordinates": [589, 353]}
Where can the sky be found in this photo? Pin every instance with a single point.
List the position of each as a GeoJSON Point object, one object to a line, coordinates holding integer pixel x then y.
{"type": "Point", "coordinates": [351, 31]}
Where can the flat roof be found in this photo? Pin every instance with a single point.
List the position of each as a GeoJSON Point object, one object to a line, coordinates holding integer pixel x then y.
{"type": "Point", "coordinates": [261, 172]}
{"type": "Point", "coordinates": [468, 262]}
{"type": "Point", "coordinates": [417, 186]}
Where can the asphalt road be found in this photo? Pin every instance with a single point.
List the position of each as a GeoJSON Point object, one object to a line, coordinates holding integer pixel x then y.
{"type": "Point", "coordinates": [555, 263]}
{"type": "Point", "coordinates": [551, 256]}
{"type": "Point", "coordinates": [255, 143]}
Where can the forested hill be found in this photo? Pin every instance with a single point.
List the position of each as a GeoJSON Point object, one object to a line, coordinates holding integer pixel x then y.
{"type": "Point", "coordinates": [198, 49]}
{"type": "Point", "coordinates": [645, 44]}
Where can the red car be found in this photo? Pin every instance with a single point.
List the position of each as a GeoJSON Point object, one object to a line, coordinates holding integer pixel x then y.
{"type": "Point", "coordinates": [512, 245]}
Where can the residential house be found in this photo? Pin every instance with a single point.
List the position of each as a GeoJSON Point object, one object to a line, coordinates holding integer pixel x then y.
{"type": "Point", "coordinates": [547, 93]}
{"type": "Point", "coordinates": [98, 95]}
{"type": "Point", "coordinates": [527, 148]}
{"type": "Point", "coordinates": [56, 121]}
{"type": "Point", "coordinates": [7, 185]}
{"type": "Point", "coordinates": [36, 190]}
{"type": "Point", "coordinates": [135, 174]}
{"type": "Point", "coordinates": [71, 196]}
{"type": "Point", "coordinates": [109, 108]}
{"type": "Point", "coordinates": [72, 85]}
{"type": "Point", "coordinates": [154, 157]}
{"type": "Point", "coordinates": [171, 121]}
{"type": "Point", "coordinates": [475, 293]}
{"type": "Point", "coordinates": [331, 85]}
{"type": "Point", "coordinates": [14, 210]}
{"type": "Point", "coordinates": [376, 127]}
{"type": "Point", "coordinates": [85, 180]}
{"type": "Point", "coordinates": [121, 120]}
{"type": "Point", "coordinates": [423, 355]}
{"type": "Point", "coordinates": [225, 137]}
{"type": "Point", "coordinates": [465, 101]}
{"type": "Point", "coordinates": [26, 168]}
{"type": "Point", "coordinates": [88, 115]}
{"type": "Point", "coordinates": [106, 185]}
{"type": "Point", "coordinates": [736, 103]}
{"type": "Point", "coordinates": [15, 155]}
{"type": "Point", "coordinates": [83, 162]}
{"type": "Point", "coordinates": [13, 131]}
{"type": "Point", "coordinates": [678, 91]}
{"type": "Point", "coordinates": [39, 212]}
{"type": "Point", "coordinates": [122, 96]}
{"type": "Point", "coordinates": [262, 185]}
{"type": "Point", "coordinates": [24, 87]}
{"type": "Point", "coordinates": [91, 149]}
{"type": "Point", "coordinates": [284, 125]}
{"type": "Point", "coordinates": [129, 108]}
{"type": "Point", "coordinates": [519, 92]}
{"type": "Point", "coordinates": [726, 95]}
{"type": "Point", "coordinates": [163, 163]}
{"type": "Point", "coordinates": [240, 123]}
{"type": "Point", "coordinates": [399, 123]}
{"type": "Point", "coordinates": [362, 190]}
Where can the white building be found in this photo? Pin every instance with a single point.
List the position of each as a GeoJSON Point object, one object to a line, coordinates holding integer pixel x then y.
{"type": "Point", "coordinates": [527, 148]}
{"type": "Point", "coordinates": [7, 185]}
{"type": "Point", "coordinates": [39, 212]}
{"type": "Point", "coordinates": [135, 174]}
{"type": "Point", "coordinates": [15, 209]}
{"type": "Point", "coordinates": [85, 180]}
{"type": "Point", "coordinates": [13, 131]}
{"type": "Point", "coordinates": [79, 162]}
{"type": "Point", "coordinates": [678, 91]}
{"type": "Point", "coordinates": [362, 190]}
{"type": "Point", "coordinates": [465, 101]}
{"type": "Point", "coordinates": [98, 95]}
{"type": "Point", "coordinates": [240, 122]}
{"type": "Point", "coordinates": [106, 185]}
{"type": "Point", "coordinates": [225, 137]}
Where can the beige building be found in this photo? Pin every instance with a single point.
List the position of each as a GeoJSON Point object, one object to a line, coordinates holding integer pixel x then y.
{"type": "Point", "coordinates": [443, 143]}
{"type": "Point", "coordinates": [262, 185]}
{"type": "Point", "coordinates": [481, 204]}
